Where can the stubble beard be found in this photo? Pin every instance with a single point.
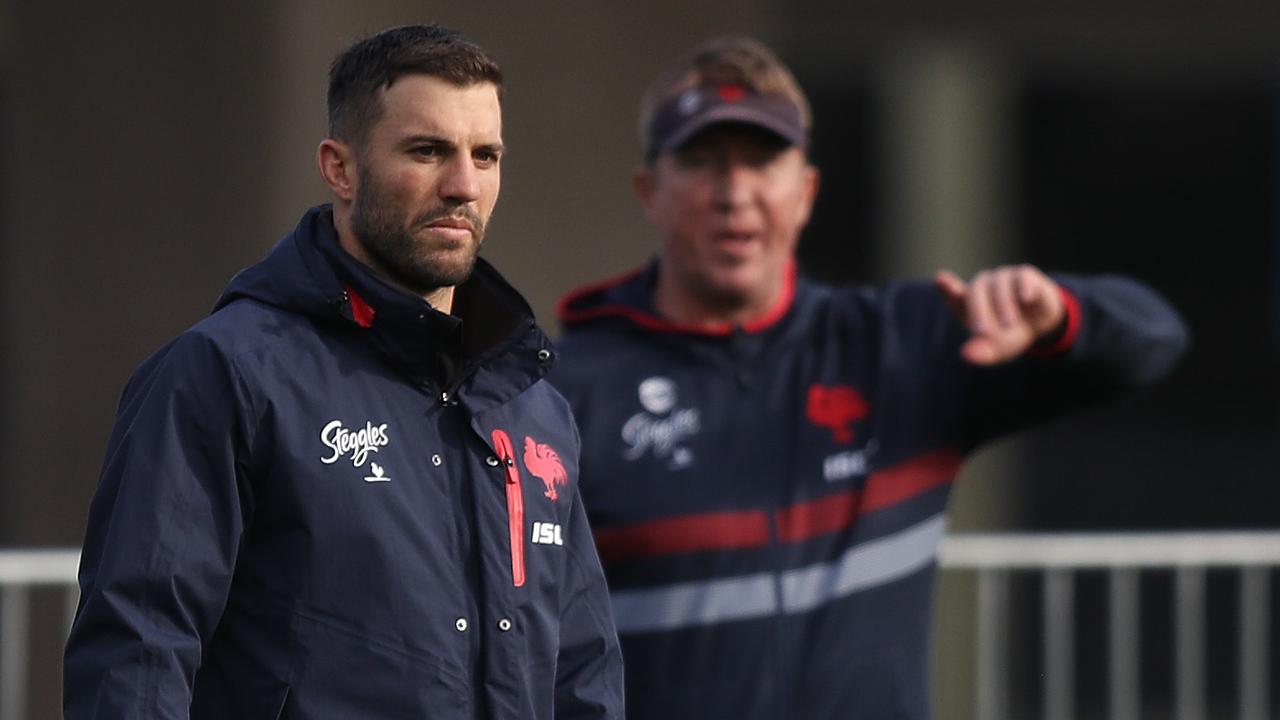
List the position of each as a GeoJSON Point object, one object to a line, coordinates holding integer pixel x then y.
{"type": "Point", "coordinates": [719, 292]}
{"type": "Point", "coordinates": [409, 260]}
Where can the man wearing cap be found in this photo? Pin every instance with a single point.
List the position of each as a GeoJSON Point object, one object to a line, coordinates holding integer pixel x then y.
{"type": "Point", "coordinates": [767, 461]}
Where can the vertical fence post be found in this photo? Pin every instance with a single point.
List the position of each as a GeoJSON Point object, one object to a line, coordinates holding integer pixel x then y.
{"type": "Point", "coordinates": [1123, 639]}
{"type": "Point", "coordinates": [71, 598]}
{"type": "Point", "coordinates": [1255, 632]}
{"type": "Point", "coordinates": [993, 615]}
{"type": "Point", "coordinates": [1189, 684]}
{"type": "Point", "coordinates": [1059, 644]}
{"type": "Point", "coordinates": [15, 615]}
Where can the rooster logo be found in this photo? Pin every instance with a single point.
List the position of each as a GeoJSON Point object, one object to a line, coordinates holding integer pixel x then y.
{"type": "Point", "coordinates": [544, 464]}
{"type": "Point", "coordinates": [836, 408]}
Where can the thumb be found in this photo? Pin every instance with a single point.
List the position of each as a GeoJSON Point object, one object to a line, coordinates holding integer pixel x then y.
{"type": "Point", "coordinates": [1040, 299]}
{"type": "Point", "coordinates": [953, 290]}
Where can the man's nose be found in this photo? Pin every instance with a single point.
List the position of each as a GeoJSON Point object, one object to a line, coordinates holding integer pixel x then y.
{"type": "Point", "coordinates": [733, 184]}
{"type": "Point", "coordinates": [461, 181]}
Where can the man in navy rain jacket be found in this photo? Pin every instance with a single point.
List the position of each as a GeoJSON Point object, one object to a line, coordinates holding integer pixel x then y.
{"type": "Point", "coordinates": [349, 493]}
{"type": "Point", "coordinates": [767, 461]}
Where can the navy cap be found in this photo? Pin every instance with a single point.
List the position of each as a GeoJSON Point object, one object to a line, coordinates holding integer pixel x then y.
{"type": "Point", "coordinates": [697, 108]}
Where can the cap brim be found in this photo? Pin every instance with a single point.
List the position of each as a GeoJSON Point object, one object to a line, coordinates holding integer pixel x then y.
{"type": "Point", "coordinates": [735, 113]}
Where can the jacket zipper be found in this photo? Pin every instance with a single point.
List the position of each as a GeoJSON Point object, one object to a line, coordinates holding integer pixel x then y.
{"type": "Point", "coordinates": [515, 504]}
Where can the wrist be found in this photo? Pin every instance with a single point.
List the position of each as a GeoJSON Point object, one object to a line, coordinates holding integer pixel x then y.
{"type": "Point", "coordinates": [1063, 334]}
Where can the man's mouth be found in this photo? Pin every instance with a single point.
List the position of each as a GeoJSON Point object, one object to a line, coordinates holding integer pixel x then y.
{"type": "Point", "coordinates": [734, 236]}
{"type": "Point", "coordinates": [452, 223]}
{"type": "Point", "coordinates": [455, 229]}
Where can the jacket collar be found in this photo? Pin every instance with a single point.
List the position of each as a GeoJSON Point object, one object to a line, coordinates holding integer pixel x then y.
{"type": "Point", "coordinates": [629, 297]}
{"type": "Point", "coordinates": [310, 273]}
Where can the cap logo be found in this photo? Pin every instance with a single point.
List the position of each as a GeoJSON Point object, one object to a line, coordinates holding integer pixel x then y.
{"type": "Point", "coordinates": [732, 93]}
{"type": "Point", "coordinates": [689, 102]}
{"type": "Point", "coordinates": [685, 114]}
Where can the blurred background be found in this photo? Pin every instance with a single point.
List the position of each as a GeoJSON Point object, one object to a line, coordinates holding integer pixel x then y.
{"type": "Point", "coordinates": [152, 149]}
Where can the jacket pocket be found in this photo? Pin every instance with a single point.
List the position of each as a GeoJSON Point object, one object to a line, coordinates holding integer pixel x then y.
{"type": "Point", "coordinates": [515, 504]}
{"type": "Point", "coordinates": [349, 671]}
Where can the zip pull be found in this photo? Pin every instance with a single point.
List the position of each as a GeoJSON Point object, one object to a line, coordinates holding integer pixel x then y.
{"type": "Point", "coordinates": [515, 504]}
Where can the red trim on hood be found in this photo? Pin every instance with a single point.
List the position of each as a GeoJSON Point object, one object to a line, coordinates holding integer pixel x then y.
{"type": "Point", "coordinates": [1069, 334]}
{"type": "Point", "coordinates": [564, 307]}
{"type": "Point", "coordinates": [569, 316]}
{"type": "Point", "coordinates": [361, 311]}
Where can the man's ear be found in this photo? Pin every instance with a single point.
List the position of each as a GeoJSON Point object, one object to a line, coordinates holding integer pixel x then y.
{"type": "Point", "coordinates": [337, 163]}
{"type": "Point", "coordinates": [812, 180]}
{"type": "Point", "coordinates": [642, 184]}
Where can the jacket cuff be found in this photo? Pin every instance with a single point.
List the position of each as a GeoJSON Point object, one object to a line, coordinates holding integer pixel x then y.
{"type": "Point", "coordinates": [1062, 338]}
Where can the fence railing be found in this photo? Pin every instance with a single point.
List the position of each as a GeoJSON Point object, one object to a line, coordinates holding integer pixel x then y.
{"type": "Point", "coordinates": [1122, 556]}
{"type": "Point", "coordinates": [995, 559]}
{"type": "Point", "coordinates": [22, 571]}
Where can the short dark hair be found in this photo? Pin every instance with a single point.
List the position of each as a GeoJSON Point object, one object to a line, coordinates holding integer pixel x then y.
{"type": "Point", "coordinates": [375, 63]}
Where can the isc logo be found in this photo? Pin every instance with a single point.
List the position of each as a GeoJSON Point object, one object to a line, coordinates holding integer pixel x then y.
{"type": "Point", "coordinates": [545, 533]}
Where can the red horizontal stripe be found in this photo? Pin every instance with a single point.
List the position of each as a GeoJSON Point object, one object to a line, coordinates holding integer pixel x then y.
{"type": "Point", "coordinates": [796, 523]}
{"type": "Point", "coordinates": [686, 534]}
{"type": "Point", "coordinates": [817, 517]}
{"type": "Point", "coordinates": [883, 488]}
{"type": "Point", "coordinates": [909, 479]}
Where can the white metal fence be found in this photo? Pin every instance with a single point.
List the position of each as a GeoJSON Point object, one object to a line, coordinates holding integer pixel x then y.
{"type": "Point", "coordinates": [22, 571]}
{"type": "Point", "coordinates": [995, 559]}
{"type": "Point", "coordinates": [1059, 557]}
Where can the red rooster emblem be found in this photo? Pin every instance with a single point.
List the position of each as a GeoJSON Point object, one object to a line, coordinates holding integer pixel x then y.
{"type": "Point", "coordinates": [544, 463]}
{"type": "Point", "coordinates": [836, 408]}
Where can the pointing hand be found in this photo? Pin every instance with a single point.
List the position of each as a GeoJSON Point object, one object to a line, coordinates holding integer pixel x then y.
{"type": "Point", "coordinates": [1007, 309]}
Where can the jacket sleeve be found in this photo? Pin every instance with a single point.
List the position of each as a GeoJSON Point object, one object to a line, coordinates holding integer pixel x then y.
{"type": "Point", "coordinates": [164, 528]}
{"type": "Point", "coordinates": [1125, 337]}
{"type": "Point", "coordinates": [589, 668]}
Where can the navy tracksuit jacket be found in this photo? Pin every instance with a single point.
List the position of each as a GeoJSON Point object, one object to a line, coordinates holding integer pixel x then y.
{"type": "Point", "coordinates": [297, 519]}
{"type": "Point", "coordinates": [768, 501]}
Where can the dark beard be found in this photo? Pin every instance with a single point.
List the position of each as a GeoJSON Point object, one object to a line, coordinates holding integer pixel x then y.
{"type": "Point", "coordinates": [402, 256]}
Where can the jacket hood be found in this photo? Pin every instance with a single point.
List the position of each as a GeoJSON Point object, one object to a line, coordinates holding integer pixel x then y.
{"type": "Point", "coordinates": [629, 298]}
{"type": "Point", "coordinates": [295, 275]}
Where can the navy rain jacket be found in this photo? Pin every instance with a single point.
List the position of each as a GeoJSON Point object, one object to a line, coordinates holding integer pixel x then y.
{"type": "Point", "coordinates": [768, 500]}
{"type": "Point", "coordinates": [295, 519]}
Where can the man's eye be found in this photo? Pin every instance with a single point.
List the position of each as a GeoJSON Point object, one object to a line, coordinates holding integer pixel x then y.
{"type": "Point", "coordinates": [693, 159]}
{"type": "Point", "coordinates": [760, 158]}
{"type": "Point", "coordinates": [487, 159]}
{"type": "Point", "coordinates": [426, 151]}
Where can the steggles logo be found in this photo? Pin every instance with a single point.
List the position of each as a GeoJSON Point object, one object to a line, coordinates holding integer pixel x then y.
{"type": "Point", "coordinates": [359, 443]}
{"type": "Point", "coordinates": [662, 427]}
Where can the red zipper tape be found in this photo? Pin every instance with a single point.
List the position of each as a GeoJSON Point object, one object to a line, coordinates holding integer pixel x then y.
{"type": "Point", "coordinates": [515, 504]}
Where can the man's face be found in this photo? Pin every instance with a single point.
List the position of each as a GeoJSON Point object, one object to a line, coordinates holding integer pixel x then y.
{"type": "Point", "coordinates": [729, 205]}
{"type": "Point", "coordinates": [428, 178]}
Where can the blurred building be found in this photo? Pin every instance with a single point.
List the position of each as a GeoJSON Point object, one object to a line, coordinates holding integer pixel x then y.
{"type": "Point", "coordinates": [152, 151]}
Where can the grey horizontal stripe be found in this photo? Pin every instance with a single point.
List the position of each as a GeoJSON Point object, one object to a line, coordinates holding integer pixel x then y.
{"type": "Point", "coordinates": [706, 602]}
{"type": "Point", "coordinates": [868, 565]}
{"type": "Point", "coordinates": [695, 603]}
